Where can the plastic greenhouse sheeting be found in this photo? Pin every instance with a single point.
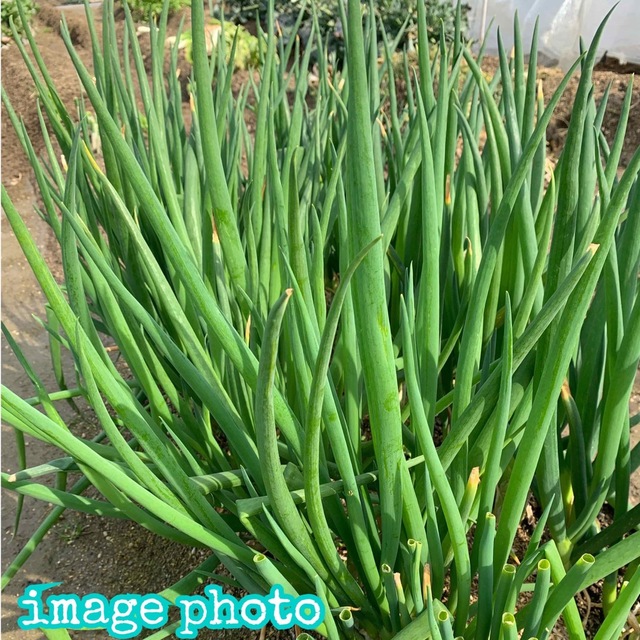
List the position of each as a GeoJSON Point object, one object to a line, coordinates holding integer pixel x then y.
{"type": "Point", "coordinates": [562, 23]}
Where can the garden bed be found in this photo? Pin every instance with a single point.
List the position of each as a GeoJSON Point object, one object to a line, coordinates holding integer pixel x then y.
{"type": "Point", "coordinates": [116, 556]}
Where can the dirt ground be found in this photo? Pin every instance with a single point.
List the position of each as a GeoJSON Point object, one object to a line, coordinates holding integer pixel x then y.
{"type": "Point", "coordinates": [110, 556]}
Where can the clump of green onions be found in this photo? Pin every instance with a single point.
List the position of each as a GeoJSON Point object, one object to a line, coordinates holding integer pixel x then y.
{"type": "Point", "coordinates": [375, 325]}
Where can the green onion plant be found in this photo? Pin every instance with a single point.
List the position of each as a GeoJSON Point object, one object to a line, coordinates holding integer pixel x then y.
{"type": "Point", "coordinates": [359, 339]}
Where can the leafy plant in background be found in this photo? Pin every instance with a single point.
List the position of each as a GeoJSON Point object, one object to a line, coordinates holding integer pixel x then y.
{"type": "Point", "coordinates": [440, 16]}
{"type": "Point", "coordinates": [9, 12]}
{"type": "Point", "coordinates": [359, 337]}
{"type": "Point", "coordinates": [247, 47]}
{"type": "Point", "coordinates": [397, 18]}
{"type": "Point", "coordinates": [142, 9]}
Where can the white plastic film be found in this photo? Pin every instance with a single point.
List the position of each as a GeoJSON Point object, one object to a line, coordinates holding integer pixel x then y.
{"type": "Point", "coordinates": [562, 23]}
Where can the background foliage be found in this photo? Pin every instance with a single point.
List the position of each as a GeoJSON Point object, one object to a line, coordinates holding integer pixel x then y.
{"type": "Point", "coordinates": [9, 11]}
{"type": "Point", "coordinates": [141, 9]}
{"type": "Point", "coordinates": [391, 14]}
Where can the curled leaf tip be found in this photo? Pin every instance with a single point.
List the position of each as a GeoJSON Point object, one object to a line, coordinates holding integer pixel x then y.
{"type": "Point", "coordinates": [468, 245]}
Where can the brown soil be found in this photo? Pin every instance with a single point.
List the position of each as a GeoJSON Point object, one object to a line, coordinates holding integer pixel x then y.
{"type": "Point", "coordinates": [605, 74]}
{"type": "Point", "coordinates": [551, 78]}
{"type": "Point", "coordinates": [110, 556]}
